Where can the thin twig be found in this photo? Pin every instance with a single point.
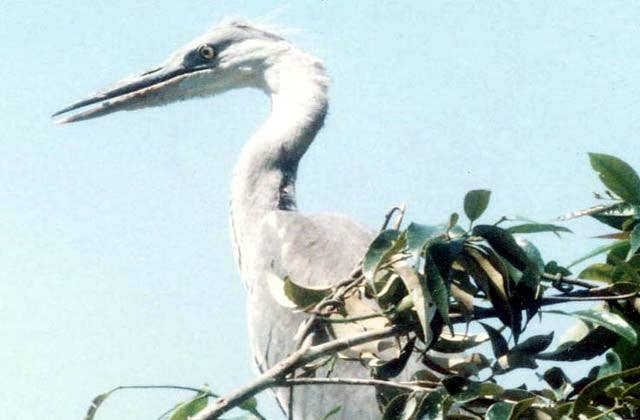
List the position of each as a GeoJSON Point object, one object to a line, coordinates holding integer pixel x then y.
{"type": "Point", "coordinates": [576, 282]}
{"type": "Point", "coordinates": [350, 381]}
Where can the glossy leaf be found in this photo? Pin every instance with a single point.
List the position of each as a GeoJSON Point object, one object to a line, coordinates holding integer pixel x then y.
{"type": "Point", "coordinates": [387, 243]}
{"type": "Point", "coordinates": [537, 228]}
{"type": "Point", "coordinates": [611, 365]}
{"type": "Point", "coordinates": [475, 203]}
{"type": "Point", "coordinates": [596, 388]}
{"type": "Point", "coordinates": [418, 235]}
{"type": "Point", "coordinates": [618, 176]}
{"type": "Point", "coordinates": [532, 252]}
{"type": "Point", "coordinates": [504, 244]}
{"type": "Point", "coordinates": [499, 411]}
{"type": "Point", "coordinates": [613, 322]}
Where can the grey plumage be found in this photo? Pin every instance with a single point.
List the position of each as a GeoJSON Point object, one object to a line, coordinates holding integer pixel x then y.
{"type": "Point", "coordinates": [270, 236]}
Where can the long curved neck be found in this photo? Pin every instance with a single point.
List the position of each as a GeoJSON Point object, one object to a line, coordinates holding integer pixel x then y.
{"type": "Point", "coordinates": [265, 174]}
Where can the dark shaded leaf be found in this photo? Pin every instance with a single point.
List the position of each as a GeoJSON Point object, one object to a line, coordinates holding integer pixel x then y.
{"type": "Point", "coordinates": [556, 378]}
{"type": "Point", "coordinates": [552, 267]}
{"type": "Point", "coordinates": [537, 228]}
{"type": "Point", "coordinates": [534, 345]}
{"type": "Point", "coordinates": [458, 343]}
{"type": "Point", "coordinates": [431, 405]}
{"type": "Point", "coordinates": [394, 367]}
{"type": "Point", "coordinates": [475, 203]}
{"type": "Point", "coordinates": [418, 235]}
{"type": "Point", "coordinates": [618, 176]}
{"type": "Point", "coordinates": [504, 244]}
{"type": "Point", "coordinates": [613, 322]}
{"type": "Point", "coordinates": [595, 388]}
{"type": "Point", "coordinates": [499, 411]}
{"type": "Point", "coordinates": [498, 342]}
{"type": "Point", "coordinates": [596, 342]}
{"type": "Point", "coordinates": [395, 409]}
{"type": "Point", "coordinates": [515, 360]}
{"type": "Point", "coordinates": [437, 287]}
{"type": "Point", "coordinates": [533, 253]}
{"type": "Point", "coordinates": [615, 216]}
{"type": "Point", "coordinates": [387, 243]}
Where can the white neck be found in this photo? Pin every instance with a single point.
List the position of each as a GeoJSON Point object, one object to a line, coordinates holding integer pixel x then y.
{"type": "Point", "coordinates": [264, 176]}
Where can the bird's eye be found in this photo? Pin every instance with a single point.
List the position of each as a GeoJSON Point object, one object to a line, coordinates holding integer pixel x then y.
{"type": "Point", "coordinates": [206, 52]}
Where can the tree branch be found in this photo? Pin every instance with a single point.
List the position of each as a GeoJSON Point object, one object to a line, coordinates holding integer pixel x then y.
{"type": "Point", "coordinates": [305, 354]}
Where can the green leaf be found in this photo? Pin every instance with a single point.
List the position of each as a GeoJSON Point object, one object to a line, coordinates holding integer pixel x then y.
{"type": "Point", "coordinates": [396, 407]}
{"type": "Point", "coordinates": [598, 272]}
{"type": "Point", "coordinates": [611, 366]}
{"type": "Point", "coordinates": [634, 241]}
{"type": "Point", "coordinates": [190, 408]}
{"type": "Point", "coordinates": [600, 250]}
{"type": "Point", "coordinates": [504, 244]}
{"type": "Point", "coordinates": [95, 404]}
{"type": "Point", "coordinates": [533, 253]}
{"type": "Point", "coordinates": [463, 389]}
{"type": "Point", "coordinates": [618, 176]}
{"type": "Point", "coordinates": [537, 228]}
{"type": "Point", "coordinates": [387, 243]}
{"type": "Point", "coordinates": [475, 203]}
{"type": "Point", "coordinates": [594, 343]}
{"type": "Point", "coordinates": [437, 288]}
{"type": "Point", "coordinates": [431, 404]}
{"type": "Point", "coordinates": [418, 235]}
{"type": "Point", "coordinates": [498, 342]}
{"type": "Point", "coordinates": [613, 322]}
{"type": "Point", "coordinates": [335, 410]}
{"type": "Point", "coordinates": [458, 343]}
{"type": "Point", "coordinates": [499, 411]}
{"type": "Point", "coordinates": [596, 388]}
{"type": "Point", "coordinates": [616, 216]}
{"type": "Point", "coordinates": [303, 296]}
{"type": "Point", "coordinates": [534, 345]}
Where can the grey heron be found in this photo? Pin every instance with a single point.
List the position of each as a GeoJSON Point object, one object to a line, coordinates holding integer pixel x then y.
{"type": "Point", "coordinates": [269, 234]}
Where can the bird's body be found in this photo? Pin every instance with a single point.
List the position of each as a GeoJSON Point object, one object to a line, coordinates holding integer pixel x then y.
{"type": "Point", "coordinates": [271, 237]}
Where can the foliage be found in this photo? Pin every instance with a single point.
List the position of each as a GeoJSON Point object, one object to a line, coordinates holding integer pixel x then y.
{"type": "Point", "coordinates": [431, 282]}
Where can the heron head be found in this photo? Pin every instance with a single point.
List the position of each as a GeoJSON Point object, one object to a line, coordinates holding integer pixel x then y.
{"type": "Point", "coordinates": [233, 55]}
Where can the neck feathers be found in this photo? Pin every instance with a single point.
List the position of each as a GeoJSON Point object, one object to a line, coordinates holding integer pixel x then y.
{"type": "Point", "coordinates": [264, 177]}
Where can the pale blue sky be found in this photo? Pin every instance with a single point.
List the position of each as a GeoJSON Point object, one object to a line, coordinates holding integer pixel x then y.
{"type": "Point", "coordinates": [115, 260]}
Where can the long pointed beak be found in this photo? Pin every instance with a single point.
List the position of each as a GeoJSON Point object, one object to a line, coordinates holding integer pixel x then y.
{"type": "Point", "coordinates": [148, 89]}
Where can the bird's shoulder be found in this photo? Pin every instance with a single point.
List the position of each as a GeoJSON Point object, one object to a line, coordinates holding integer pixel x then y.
{"type": "Point", "coordinates": [315, 249]}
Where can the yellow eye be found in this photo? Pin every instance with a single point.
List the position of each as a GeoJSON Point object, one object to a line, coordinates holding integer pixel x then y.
{"type": "Point", "coordinates": [206, 52]}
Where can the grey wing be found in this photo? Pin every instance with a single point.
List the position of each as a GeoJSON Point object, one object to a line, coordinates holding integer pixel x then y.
{"type": "Point", "coordinates": [313, 250]}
